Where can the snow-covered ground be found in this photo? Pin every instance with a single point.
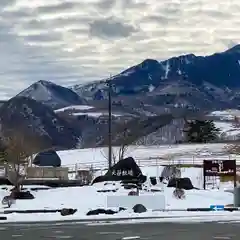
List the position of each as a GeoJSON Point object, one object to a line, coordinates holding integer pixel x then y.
{"type": "Point", "coordinates": [87, 198]}
{"type": "Point", "coordinates": [228, 122]}
{"type": "Point", "coordinates": [227, 128]}
{"type": "Point", "coordinates": [228, 114]}
{"type": "Point", "coordinates": [149, 155]}
{"type": "Point", "coordinates": [151, 160]}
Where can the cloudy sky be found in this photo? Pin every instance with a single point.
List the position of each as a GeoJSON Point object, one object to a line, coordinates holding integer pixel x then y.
{"type": "Point", "coordinates": [76, 41]}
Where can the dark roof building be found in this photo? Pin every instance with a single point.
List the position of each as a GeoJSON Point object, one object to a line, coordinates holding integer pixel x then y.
{"type": "Point", "coordinates": [48, 158]}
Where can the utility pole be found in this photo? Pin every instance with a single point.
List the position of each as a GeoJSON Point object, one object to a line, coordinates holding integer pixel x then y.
{"type": "Point", "coordinates": [109, 124]}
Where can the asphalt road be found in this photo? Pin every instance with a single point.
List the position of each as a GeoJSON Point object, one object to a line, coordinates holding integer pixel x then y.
{"type": "Point", "coordinates": [147, 231]}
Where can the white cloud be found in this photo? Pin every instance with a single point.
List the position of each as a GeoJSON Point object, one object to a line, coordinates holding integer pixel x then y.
{"type": "Point", "coordinates": [75, 41]}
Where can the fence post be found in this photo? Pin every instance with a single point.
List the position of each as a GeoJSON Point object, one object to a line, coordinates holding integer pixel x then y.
{"type": "Point", "coordinates": [76, 168]}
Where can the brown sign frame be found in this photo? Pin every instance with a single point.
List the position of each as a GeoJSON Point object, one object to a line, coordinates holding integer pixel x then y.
{"type": "Point", "coordinates": [219, 168]}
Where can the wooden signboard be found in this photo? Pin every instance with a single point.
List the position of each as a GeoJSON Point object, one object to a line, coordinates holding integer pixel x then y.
{"type": "Point", "coordinates": [219, 168]}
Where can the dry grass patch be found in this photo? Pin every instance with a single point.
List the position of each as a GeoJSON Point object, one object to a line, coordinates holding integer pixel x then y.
{"type": "Point", "coordinates": [229, 178]}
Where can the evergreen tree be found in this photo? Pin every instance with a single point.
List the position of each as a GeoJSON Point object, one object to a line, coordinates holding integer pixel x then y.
{"type": "Point", "coordinates": [201, 131]}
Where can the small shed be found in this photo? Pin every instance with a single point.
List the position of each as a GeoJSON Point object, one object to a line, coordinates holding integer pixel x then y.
{"type": "Point", "coordinates": [48, 158]}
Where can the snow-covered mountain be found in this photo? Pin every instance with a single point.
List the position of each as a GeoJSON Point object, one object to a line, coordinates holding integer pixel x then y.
{"type": "Point", "coordinates": [185, 80]}
{"type": "Point", "coordinates": [141, 94]}
{"type": "Point", "coordinates": [51, 94]}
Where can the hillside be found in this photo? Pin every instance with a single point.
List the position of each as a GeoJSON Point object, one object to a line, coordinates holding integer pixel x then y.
{"type": "Point", "coordinates": [142, 95]}
{"type": "Point", "coordinates": [37, 122]}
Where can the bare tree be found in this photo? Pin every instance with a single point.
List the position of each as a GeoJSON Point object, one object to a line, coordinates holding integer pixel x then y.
{"type": "Point", "coordinates": [129, 131]}
{"type": "Point", "coordinates": [236, 122]}
{"type": "Point", "coordinates": [122, 151]}
{"type": "Point", "coordinates": [233, 149]}
{"type": "Point", "coordinates": [16, 155]}
{"type": "Point", "coordinates": [119, 152]}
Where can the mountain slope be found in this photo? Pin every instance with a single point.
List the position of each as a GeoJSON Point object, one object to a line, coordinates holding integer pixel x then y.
{"type": "Point", "coordinates": [212, 79]}
{"type": "Point", "coordinates": [35, 120]}
{"type": "Point", "coordinates": [142, 95]}
{"type": "Point", "coordinates": [51, 94]}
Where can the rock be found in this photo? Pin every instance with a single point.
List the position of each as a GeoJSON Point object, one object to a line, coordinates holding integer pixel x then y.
{"type": "Point", "coordinates": [8, 200]}
{"type": "Point", "coordinates": [153, 181]}
{"type": "Point", "coordinates": [179, 193]}
{"type": "Point", "coordinates": [21, 195]}
{"type": "Point", "coordinates": [129, 186]}
{"type": "Point", "coordinates": [170, 172]}
{"type": "Point", "coordinates": [139, 208]}
{"type": "Point", "coordinates": [161, 179]}
{"type": "Point", "coordinates": [67, 211]}
{"type": "Point", "coordinates": [107, 190]}
{"type": "Point", "coordinates": [156, 190]}
{"type": "Point", "coordinates": [101, 211]}
{"type": "Point", "coordinates": [122, 209]}
{"type": "Point", "coordinates": [133, 193]}
{"type": "Point", "coordinates": [183, 183]}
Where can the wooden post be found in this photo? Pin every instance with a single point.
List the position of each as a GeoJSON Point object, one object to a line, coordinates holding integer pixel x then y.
{"type": "Point", "coordinates": [235, 175]}
{"type": "Point", "coordinates": [204, 176]}
{"type": "Point", "coordinates": [109, 125]}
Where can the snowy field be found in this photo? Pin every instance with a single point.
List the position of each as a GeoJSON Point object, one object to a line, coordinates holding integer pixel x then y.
{"type": "Point", "coordinates": [149, 155]}
{"type": "Point", "coordinates": [227, 129]}
{"type": "Point", "coordinates": [228, 122]}
{"type": "Point", "coordinates": [228, 114]}
{"type": "Point", "coordinates": [88, 198]}
{"type": "Point", "coordinates": [151, 161]}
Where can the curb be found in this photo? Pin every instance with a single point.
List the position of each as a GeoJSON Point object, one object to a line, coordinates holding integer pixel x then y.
{"type": "Point", "coordinates": [229, 209]}
{"type": "Point", "coordinates": [107, 220]}
{"type": "Point", "coordinates": [102, 220]}
{"type": "Point", "coordinates": [114, 219]}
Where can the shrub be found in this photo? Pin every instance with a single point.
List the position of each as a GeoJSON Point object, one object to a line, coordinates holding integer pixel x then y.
{"type": "Point", "coordinates": [179, 193]}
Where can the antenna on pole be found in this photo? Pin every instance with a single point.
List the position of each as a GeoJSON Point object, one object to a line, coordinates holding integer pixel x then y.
{"type": "Point", "coordinates": [109, 124]}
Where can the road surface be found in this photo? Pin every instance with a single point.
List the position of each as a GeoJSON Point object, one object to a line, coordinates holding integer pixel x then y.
{"type": "Point", "coordinates": [147, 231]}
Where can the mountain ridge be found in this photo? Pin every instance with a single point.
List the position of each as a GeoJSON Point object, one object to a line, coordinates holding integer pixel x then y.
{"type": "Point", "coordinates": [151, 73]}
{"type": "Point", "coordinates": [140, 94]}
{"type": "Point", "coordinates": [51, 94]}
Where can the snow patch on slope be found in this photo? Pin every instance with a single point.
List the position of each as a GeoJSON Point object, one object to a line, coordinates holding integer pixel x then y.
{"type": "Point", "coordinates": [95, 114]}
{"type": "Point", "coordinates": [229, 114]}
{"type": "Point", "coordinates": [76, 107]}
